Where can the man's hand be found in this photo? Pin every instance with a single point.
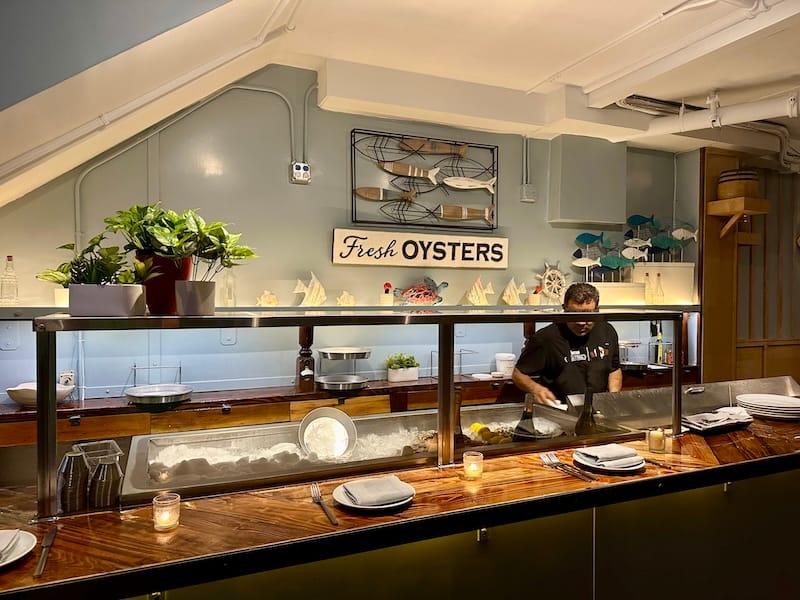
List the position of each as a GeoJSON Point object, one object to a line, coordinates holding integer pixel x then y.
{"type": "Point", "coordinates": [540, 393]}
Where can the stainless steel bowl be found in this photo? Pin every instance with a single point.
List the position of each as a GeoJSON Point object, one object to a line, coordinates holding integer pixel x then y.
{"type": "Point", "coordinates": [344, 353]}
{"type": "Point", "coordinates": [162, 394]}
{"type": "Point", "coordinates": [328, 432]}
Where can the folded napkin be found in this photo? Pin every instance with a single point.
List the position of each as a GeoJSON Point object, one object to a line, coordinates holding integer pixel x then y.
{"type": "Point", "coordinates": [613, 456]}
{"type": "Point", "coordinates": [722, 417]}
{"type": "Point", "coordinates": [378, 491]}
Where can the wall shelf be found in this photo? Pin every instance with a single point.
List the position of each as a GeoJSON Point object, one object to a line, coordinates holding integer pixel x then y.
{"type": "Point", "coordinates": [736, 208]}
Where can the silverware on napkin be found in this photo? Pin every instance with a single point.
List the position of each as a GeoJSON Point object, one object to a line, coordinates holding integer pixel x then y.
{"type": "Point", "coordinates": [46, 544]}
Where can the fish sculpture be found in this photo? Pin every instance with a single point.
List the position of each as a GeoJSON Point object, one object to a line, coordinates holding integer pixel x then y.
{"type": "Point", "coordinates": [454, 212]}
{"type": "Point", "coordinates": [433, 147]}
{"type": "Point", "coordinates": [384, 195]}
{"type": "Point", "coordinates": [639, 220]}
{"type": "Point", "coordinates": [637, 243]}
{"type": "Point", "coordinates": [346, 299]}
{"type": "Point", "coordinates": [684, 234]}
{"type": "Point", "coordinates": [616, 262]}
{"type": "Point", "coordinates": [407, 170]}
{"type": "Point", "coordinates": [427, 292]}
{"type": "Point", "coordinates": [512, 294]}
{"type": "Point", "coordinates": [585, 239]}
{"type": "Point", "coordinates": [476, 295]}
{"type": "Point", "coordinates": [468, 183]}
{"type": "Point", "coordinates": [314, 292]}
{"type": "Point", "coordinates": [665, 242]}
{"type": "Point", "coordinates": [267, 298]}
{"type": "Point", "coordinates": [635, 253]}
{"type": "Point", "coordinates": [585, 262]}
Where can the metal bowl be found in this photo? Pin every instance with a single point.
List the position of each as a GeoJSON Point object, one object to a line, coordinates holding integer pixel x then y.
{"type": "Point", "coordinates": [327, 432]}
{"type": "Point", "coordinates": [341, 383]}
{"type": "Point", "coordinates": [344, 353]}
{"type": "Point", "coordinates": [158, 395]}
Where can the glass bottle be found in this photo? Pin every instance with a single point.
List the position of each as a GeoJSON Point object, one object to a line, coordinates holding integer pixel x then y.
{"type": "Point", "coordinates": [9, 288]}
{"type": "Point", "coordinates": [658, 294]}
{"type": "Point", "coordinates": [648, 289]}
{"type": "Point", "coordinates": [228, 288]}
{"type": "Point", "coordinates": [586, 425]}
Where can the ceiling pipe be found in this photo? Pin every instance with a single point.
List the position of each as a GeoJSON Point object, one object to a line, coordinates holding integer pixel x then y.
{"type": "Point", "coordinates": [718, 116]}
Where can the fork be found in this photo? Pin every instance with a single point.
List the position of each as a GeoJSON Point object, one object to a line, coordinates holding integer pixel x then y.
{"type": "Point", "coordinates": [10, 544]}
{"type": "Point", "coordinates": [551, 460]}
{"type": "Point", "coordinates": [316, 496]}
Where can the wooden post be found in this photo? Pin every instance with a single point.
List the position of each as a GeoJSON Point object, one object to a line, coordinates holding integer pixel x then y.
{"type": "Point", "coordinates": [304, 371]}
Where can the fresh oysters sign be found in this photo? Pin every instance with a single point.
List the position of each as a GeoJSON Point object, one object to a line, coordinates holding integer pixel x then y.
{"type": "Point", "coordinates": [405, 249]}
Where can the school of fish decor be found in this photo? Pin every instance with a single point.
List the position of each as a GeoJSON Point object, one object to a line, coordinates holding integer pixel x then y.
{"type": "Point", "coordinates": [423, 182]}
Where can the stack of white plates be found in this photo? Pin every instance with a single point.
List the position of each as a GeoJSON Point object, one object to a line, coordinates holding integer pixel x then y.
{"type": "Point", "coordinates": [770, 406]}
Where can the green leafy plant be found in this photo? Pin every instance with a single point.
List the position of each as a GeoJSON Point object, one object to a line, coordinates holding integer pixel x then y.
{"type": "Point", "coordinates": [216, 248]}
{"type": "Point", "coordinates": [96, 264]}
{"type": "Point", "coordinates": [398, 360]}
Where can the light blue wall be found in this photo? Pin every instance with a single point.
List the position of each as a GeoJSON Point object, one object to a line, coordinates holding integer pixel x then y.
{"type": "Point", "coordinates": [244, 136]}
{"type": "Point", "coordinates": [43, 42]}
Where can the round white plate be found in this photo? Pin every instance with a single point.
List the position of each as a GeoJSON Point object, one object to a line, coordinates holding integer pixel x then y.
{"type": "Point", "coordinates": [342, 498]}
{"type": "Point", "coordinates": [481, 376]}
{"type": "Point", "coordinates": [772, 414]}
{"type": "Point", "coordinates": [769, 401]}
{"type": "Point", "coordinates": [25, 543]}
{"type": "Point", "coordinates": [601, 469]}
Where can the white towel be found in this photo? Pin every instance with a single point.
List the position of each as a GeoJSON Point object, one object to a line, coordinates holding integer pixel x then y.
{"type": "Point", "coordinates": [613, 456]}
{"type": "Point", "coordinates": [378, 491]}
{"type": "Point", "coordinates": [727, 416]}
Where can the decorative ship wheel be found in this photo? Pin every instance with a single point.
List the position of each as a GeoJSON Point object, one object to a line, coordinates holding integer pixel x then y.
{"type": "Point", "coordinates": [554, 282]}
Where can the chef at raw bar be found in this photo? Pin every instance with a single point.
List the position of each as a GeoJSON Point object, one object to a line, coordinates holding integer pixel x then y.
{"type": "Point", "coordinates": [567, 356]}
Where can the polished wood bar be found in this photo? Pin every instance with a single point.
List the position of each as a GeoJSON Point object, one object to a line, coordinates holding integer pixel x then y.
{"type": "Point", "coordinates": [100, 554]}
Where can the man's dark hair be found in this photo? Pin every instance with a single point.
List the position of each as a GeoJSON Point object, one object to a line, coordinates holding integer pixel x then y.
{"type": "Point", "coordinates": [581, 293]}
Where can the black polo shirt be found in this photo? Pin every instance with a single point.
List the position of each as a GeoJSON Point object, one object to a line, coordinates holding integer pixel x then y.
{"type": "Point", "coordinates": [565, 362]}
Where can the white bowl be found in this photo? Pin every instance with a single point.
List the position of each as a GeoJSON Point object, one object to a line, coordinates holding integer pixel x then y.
{"type": "Point", "coordinates": [25, 393]}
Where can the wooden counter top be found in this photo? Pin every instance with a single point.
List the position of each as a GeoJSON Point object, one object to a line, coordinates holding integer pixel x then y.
{"type": "Point", "coordinates": [118, 553]}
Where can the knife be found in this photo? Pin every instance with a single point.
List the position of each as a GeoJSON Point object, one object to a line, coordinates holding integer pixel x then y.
{"type": "Point", "coordinates": [46, 543]}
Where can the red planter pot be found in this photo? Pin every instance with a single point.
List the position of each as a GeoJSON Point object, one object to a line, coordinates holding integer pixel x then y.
{"type": "Point", "coordinates": [160, 291]}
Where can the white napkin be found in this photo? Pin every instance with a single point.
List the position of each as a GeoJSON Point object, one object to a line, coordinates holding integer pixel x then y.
{"type": "Point", "coordinates": [613, 456]}
{"type": "Point", "coordinates": [378, 491]}
{"type": "Point", "coordinates": [722, 417]}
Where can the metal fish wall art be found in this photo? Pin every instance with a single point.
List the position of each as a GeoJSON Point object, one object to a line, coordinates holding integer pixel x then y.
{"type": "Point", "coordinates": [468, 183]}
{"type": "Point", "coordinates": [585, 239]}
{"type": "Point", "coordinates": [635, 253]}
{"type": "Point", "coordinates": [684, 234]}
{"type": "Point", "coordinates": [637, 243]}
{"type": "Point", "coordinates": [383, 195]}
{"type": "Point", "coordinates": [665, 242]}
{"type": "Point", "coordinates": [616, 262]}
{"type": "Point", "coordinates": [452, 212]}
{"type": "Point", "coordinates": [423, 146]}
{"type": "Point", "coordinates": [586, 262]}
{"type": "Point", "coordinates": [407, 170]}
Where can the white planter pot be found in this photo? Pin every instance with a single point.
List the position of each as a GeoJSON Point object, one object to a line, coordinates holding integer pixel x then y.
{"type": "Point", "coordinates": [195, 298]}
{"type": "Point", "coordinates": [111, 300]}
{"type": "Point", "coordinates": [408, 374]}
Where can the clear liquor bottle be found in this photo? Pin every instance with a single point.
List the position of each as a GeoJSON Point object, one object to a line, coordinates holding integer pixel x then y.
{"type": "Point", "coordinates": [9, 288]}
{"type": "Point", "coordinates": [658, 293]}
{"type": "Point", "coordinates": [586, 425]}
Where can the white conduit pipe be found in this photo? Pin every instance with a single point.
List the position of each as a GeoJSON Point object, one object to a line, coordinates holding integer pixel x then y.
{"type": "Point", "coordinates": [724, 115]}
{"type": "Point", "coordinates": [43, 150]}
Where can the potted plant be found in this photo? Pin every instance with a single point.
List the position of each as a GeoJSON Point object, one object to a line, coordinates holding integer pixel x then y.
{"type": "Point", "coordinates": [163, 236]}
{"type": "Point", "coordinates": [402, 367]}
{"type": "Point", "coordinates": [215, 249]}
{"type": "Point", "coordinates": [100, 282]}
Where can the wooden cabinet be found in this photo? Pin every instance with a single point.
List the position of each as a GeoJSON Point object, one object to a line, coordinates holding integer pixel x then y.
{"type": "Point", "coordinates": [235, 415]}
{"type": "Point", "coordinates": [77, 428]}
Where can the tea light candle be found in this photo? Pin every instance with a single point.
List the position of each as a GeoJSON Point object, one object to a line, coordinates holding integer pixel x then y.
{"type": "Point", "coordinates": [656, 440]}
{"type": "Point", "coordinates": [166, 511]}
{"type": "Point", "coordinates": [473, 465]}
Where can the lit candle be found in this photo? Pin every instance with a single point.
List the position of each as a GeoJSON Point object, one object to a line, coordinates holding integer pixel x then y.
{"type": "Point", "coordinates": [166, 511]}
{"type": "Point", "coordinates": [656, 441]}
{"type": "Point", "coordinates": [473, 465]}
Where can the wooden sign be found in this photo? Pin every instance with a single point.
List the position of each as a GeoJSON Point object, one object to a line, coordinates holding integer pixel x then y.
{"type": "Point", "coordinates": [408, 249]}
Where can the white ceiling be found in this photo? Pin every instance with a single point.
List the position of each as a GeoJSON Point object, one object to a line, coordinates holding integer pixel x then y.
{"type": "Point", "coordinates": [538, 68]}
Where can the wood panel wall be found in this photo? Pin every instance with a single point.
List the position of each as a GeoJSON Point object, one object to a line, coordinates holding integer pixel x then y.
{"type": "Point", "coordinates": [750, 288]}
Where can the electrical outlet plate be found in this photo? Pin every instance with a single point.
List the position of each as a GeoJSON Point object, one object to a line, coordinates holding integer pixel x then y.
{"type": "Point", "coordinates": [300, 172]}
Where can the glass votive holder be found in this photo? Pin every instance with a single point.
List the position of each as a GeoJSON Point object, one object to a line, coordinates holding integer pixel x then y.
{"type": "Point", "coordinates": [166, 511]}
{"type": "Point", "coordinates": [656, 440]}
{"type": "Point", "coordinates": [473, 465]}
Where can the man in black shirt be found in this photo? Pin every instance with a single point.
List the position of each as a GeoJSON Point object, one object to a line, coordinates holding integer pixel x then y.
{"type": "Point", "coordinates": [567, 356]}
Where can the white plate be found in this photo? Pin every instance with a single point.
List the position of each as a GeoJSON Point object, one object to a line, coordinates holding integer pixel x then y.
{"type": "Point", "coordinates": [481, 376]}
{"type": "Point", "coordinates": [342, 498]}
{"type": "Point", "coordinates": [601, 469]}
{"type": "Point", "coordinates": [25, 543]}
{"type": "Point", "coordinates": [771, 414]}
{"type": "Point", "coordinates": [769, 401]}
